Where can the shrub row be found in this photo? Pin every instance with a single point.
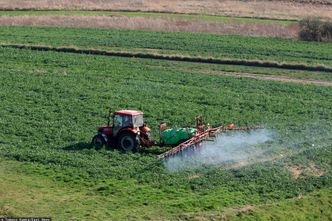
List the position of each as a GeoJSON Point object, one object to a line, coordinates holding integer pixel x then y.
{"type": "Point", "coordinates": [314, 29]}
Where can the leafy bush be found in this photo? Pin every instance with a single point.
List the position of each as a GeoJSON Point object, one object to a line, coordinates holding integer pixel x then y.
{"type": "Point", "coordinates": [313, 29]}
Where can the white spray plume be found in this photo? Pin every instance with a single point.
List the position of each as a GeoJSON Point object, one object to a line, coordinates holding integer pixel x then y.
{"type": "Point", "coordinates": [231, 147]}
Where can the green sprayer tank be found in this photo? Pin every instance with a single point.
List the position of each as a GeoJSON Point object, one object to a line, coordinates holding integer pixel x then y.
{"type": "Point", "coordinates": [176, 136]}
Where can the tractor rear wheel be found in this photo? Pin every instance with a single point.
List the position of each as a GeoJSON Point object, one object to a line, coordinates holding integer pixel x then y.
{"type": "Point", "coordinates": [98, 141]}
{"type": "Point", "coordinates": [128, 141]}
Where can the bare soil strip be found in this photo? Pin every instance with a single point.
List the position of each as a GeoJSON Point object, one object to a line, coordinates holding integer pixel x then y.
{"type": "Point", "coordinates": [311, 169]}
{"type": "Point", "coordinates": [281, 78]}
{"type": "Point", "coordinates": [296, 171]}
{"type": "Point", "coordinates": [251, 63]}
{"type": "Point", "coordinates": [153, 23]}
{"type": "Point", "coordinates": [294, 9]}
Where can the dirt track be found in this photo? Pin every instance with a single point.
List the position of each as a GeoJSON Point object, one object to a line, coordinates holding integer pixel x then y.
{"type": "Point", "coordinates": [294, 9]}
{"type": "Point", "coordinates": [153, 23]}
{"type": "Point", "coordinates": [281, 78]}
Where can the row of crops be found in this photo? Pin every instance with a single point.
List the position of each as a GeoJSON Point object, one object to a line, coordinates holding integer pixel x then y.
{"type": "Point", "coordinates": [52, 103]}
{"type": "Point", "coordinates": [191, 44]}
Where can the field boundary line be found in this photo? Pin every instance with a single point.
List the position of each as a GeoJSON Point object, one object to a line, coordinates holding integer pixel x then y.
{"type": "Point", "coordinates": [251, 63]}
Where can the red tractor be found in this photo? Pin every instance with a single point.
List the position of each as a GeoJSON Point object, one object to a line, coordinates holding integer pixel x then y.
{"type": "Point", "coordinates": [127, 131]}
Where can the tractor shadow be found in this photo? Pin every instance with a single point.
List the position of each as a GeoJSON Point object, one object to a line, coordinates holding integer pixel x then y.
{"type": "Point", "coordinates": [78, 146]}
{"type": "Point", "coordinates": [153, 150]}
{"type": "Point", "coordinates": [88, 146]}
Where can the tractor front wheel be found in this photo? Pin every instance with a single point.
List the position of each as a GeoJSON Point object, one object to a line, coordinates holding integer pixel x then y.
{"type": "Point", "coordinates": [128, 142]}
{"type": "Point", "coordinates": [98, 141]}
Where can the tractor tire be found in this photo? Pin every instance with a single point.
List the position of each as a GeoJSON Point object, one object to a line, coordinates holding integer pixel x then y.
{"type": "Point", "coordinates": [128, 142]}
{"type": "Point", "coordinates": [98, 141]}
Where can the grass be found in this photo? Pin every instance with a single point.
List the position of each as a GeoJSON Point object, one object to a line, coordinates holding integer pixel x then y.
{"type": "Point", "coordinates": [311, 207]}
{"type": "Point", "coordinates": [36, 195]}
{"type": "Point", "coordinates": [186, 44]}
{"type": "Point", "coordinates": [300, 208]}
{"type": "Point", "coordinates": [219, 69]}
{"type": "Point", "coordinates": [33, 195]}
{"type": "Point", "coordinates": [53, 102]}
{"type": "Point", "coordinates": [315, 72]}
{"type": "Point", "coordinates": [213, 18]}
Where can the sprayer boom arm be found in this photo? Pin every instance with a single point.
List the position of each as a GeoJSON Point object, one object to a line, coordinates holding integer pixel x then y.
{"type": "Point", "coordinates": [201, 137]}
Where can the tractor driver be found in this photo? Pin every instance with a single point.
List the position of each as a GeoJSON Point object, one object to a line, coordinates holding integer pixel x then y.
{"type": "Point", "coordinates": [126, 121]}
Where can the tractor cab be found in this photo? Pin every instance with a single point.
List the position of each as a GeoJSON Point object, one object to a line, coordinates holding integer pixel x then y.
{"type": "Point", "coordinates": [125, 129]}
{"type": "Point", "coordinates": [126, 119]}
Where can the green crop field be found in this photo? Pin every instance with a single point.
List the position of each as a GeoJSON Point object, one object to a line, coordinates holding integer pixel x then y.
{"type": "Point", "coordinates": [188, 44]}
{"type": "Point", "coordinates": [52, 103]}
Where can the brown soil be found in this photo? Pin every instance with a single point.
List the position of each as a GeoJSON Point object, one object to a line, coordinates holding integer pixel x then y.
{"type": "Point", "coordinates": [246, 209]}
{"type": "Point", "coordinates": [310, 169]}
{"type": "Point", "coordinates": [294, 9]}
{"type": "Point", "coordinates": [280, 78]}
{"type": "Point", "coordinates": [296, 171]}
{"type": "Point", "coordinates": [149, 23]}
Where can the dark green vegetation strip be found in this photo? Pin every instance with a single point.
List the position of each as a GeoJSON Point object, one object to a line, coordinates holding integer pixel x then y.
{"type": "Point", "coordinates": [52, 103]}
{"type": "Point", "coordinates": [175, 58]}
{"type": "Point", "coordinates": [176, 44]}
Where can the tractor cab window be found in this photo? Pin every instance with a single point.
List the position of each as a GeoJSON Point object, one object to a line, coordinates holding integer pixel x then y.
{"type": "Point", "coordinates": [127, 121]}
{"type": "Point", "coordinates": [123, 121]}
{"type": "Point", "coordinates": [117, 120]}
{"type": "Point", "coordinates": [138, 121]}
